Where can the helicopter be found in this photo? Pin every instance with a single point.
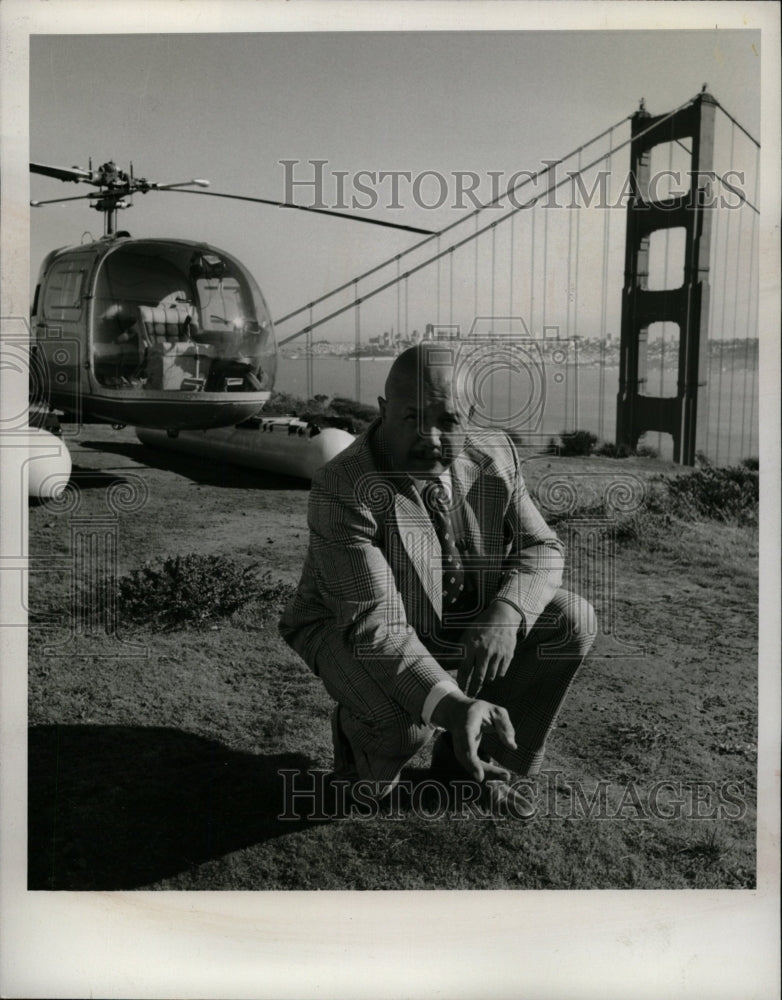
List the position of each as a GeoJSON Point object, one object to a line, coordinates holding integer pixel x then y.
{"type": "Point", "coordinates": [159, 333]}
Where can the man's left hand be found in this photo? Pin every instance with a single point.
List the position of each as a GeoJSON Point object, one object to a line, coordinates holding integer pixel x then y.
{"type": "Point", "coordinates": [489, 646]}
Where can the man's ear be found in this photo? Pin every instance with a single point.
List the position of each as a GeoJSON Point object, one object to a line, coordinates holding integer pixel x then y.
{"type": "Point", "coordinates": [381, 405]}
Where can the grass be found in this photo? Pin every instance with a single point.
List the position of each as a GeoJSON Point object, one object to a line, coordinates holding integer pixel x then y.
{"type": "Point", "coordinates": [164, 770]}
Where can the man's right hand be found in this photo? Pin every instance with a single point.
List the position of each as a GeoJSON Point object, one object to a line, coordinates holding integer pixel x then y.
{"type": "Point", "coordinates": [466, 719]}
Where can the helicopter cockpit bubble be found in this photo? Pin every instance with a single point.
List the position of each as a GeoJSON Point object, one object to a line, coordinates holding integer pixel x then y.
{"type": "Point", "coordinates": [168, 317]}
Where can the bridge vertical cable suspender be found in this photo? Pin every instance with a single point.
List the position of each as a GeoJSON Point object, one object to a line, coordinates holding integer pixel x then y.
{"type": "Point", "coordinates": [493, 267]}
{"type": "Point", "coordinates": [437, 313]}
{"type": "Point", "coordinates": [510, 304]}
{"type": "Point", "coordinates": [477, 226]}
{"type": "Point", "coordinates": [545, 270]}
{"type": "Point", "coordinates": [532, 273]}
{"type": "Point", "coordinates": [747, 326]}
{"type": "Point", "coordinates": [575, 278]}
{"type": "Point", "coordinates": [310, 372]}
{"type": "Point", "coordinates": [568, 286]}
{"type": "Point", "coordinates": [733, 328]}
{"type": "Point", "coordinates": [567, 297]}
{"type": "Point", "coordinates": [407, 303]}
{"type": "Point", "coordinates": [398, 299]}
{"type": "Point", "coordinates": [722, 312]}
{"type": "Point", "coordinates": [710, 355]}
{"type": "Point", "coordinates": [666, 286]}
{"type": "Point", "coordinates": [450, 289]}
{"type": "Point", "coordinates": [357, 315]}
{"type": "Point", "coordinates": [512, 268]}
{"type": "Point", "coordinates": [603, 308]}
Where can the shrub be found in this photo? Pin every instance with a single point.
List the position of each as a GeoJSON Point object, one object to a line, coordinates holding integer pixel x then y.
{"type": "Point", "coordinates": [610, 450]}
{"type": "Point", "coordinates": [194, 589]}
{"type": "Point", "coordinates": [721, 494]}
{"type": "Point", "coordinates": [726, 494]}
{"type": "Point", "coordinates": [362, 414]}
{"type": "Point", "coordinates": [337, 412]}
{"type": "Point", "coordinates": [577, 442]}
{"type": "Point", "coordinates": [752, 463]}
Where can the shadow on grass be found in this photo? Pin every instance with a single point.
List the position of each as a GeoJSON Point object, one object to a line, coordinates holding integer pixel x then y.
{"type": "Point", "coordinates": [120, 807]}
{"type": "Point", "coordinates": [85, 479]}
{"type": "Point", "coordinates": [206, 472]}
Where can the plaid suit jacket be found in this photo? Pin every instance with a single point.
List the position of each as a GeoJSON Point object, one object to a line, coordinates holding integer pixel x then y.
{"type": "Point", "coordinates": [372, 578]}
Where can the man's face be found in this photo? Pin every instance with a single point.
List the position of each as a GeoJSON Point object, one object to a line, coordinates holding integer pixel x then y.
{"type": "Point", "coordinates": [422, 427]}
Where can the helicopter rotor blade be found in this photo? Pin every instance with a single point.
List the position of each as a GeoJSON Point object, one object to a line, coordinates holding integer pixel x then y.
{"type": "Point", "coordinates": [304, 208]}
{"type": "Point", "coordinates": [74, 174]}
{"type": "Point", "coordinates": [54, 201]}
{"type": "Point", "coordinates": [198, 181]}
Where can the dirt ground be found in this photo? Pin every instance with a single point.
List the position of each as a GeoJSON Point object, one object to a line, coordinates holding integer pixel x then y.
{"type": "Point", "coordinates": [170, 750]}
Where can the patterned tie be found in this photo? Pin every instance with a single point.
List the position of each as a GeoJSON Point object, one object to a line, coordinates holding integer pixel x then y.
{"type": "Point", "coordinates": [438, 502]}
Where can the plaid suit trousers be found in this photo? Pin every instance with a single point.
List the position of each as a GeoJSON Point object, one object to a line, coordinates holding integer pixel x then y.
{"type": "Point", "coordinates": [384, 737]}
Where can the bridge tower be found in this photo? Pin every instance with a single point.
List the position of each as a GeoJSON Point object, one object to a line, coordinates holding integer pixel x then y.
{"type": "Point", "coordinates": [686, 306]}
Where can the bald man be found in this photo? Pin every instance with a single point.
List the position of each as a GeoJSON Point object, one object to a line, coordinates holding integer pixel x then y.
{"type": "Point", "coordinates": [430, 596]}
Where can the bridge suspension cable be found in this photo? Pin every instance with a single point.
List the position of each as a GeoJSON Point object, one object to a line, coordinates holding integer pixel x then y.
{"type": "Point", "coordinates": [473, 214]}
{"type": "Point", "coordinates": [551, 165]}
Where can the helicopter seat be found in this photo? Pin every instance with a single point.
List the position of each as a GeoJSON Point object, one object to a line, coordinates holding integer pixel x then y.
{"type": "Point", "coordinates": [167, 324]}
{"type": "Point", "coordinates": [172, 356]}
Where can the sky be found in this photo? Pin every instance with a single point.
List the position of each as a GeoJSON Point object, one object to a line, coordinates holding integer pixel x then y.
{"type": "Point", "coordinates": [231, 107]}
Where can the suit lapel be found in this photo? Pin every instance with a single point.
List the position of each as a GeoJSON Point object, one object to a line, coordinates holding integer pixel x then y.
{"type": "Point", "coordinates": [413, 524]}
{"type": "Point", "coordinates": [480, 500]}
{"type": "Point", "coordinates": [420, 542]}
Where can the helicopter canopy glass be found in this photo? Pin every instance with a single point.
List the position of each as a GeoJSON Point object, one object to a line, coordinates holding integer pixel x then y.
{"type": "Point", "coordinates": [180, 316]}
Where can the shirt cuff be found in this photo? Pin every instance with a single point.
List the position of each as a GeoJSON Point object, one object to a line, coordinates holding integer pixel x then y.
{"type": "Point", "coordinates": [435, 696]}
{"type": "Point", "coordinates": [514, 605]}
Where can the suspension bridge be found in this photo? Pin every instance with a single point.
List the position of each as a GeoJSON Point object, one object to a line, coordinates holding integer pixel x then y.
{"type": "Point", "coordinates": [614, 290]}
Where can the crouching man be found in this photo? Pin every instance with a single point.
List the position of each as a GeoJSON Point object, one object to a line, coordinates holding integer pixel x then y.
{"type": "Point", "coordinates": [430, 596]}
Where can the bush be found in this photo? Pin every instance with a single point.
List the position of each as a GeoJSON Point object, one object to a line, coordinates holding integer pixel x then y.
{"type": "Point", "coordinates": [721, 494]}
{"type": "Point", "coordinates": [337, 412]}
{"type": "Point", "coordinates": [577, 442]}
{"type": "Point", "coordinates": [610, 450]}
{"type": "Point", "coordinates": [283, 404]}
{"type": "Point", "coordinates": [753, 464]}
{"type": "Point", "coordinates": [729, 494]}
{"type": "Point", "coordinates": [362, 414]}
{"type": "Point", "coordinates": [194, 589]}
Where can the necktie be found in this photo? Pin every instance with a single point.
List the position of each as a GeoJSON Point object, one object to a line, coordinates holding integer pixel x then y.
{"type": "Point", "coordinates": [438, 503]}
